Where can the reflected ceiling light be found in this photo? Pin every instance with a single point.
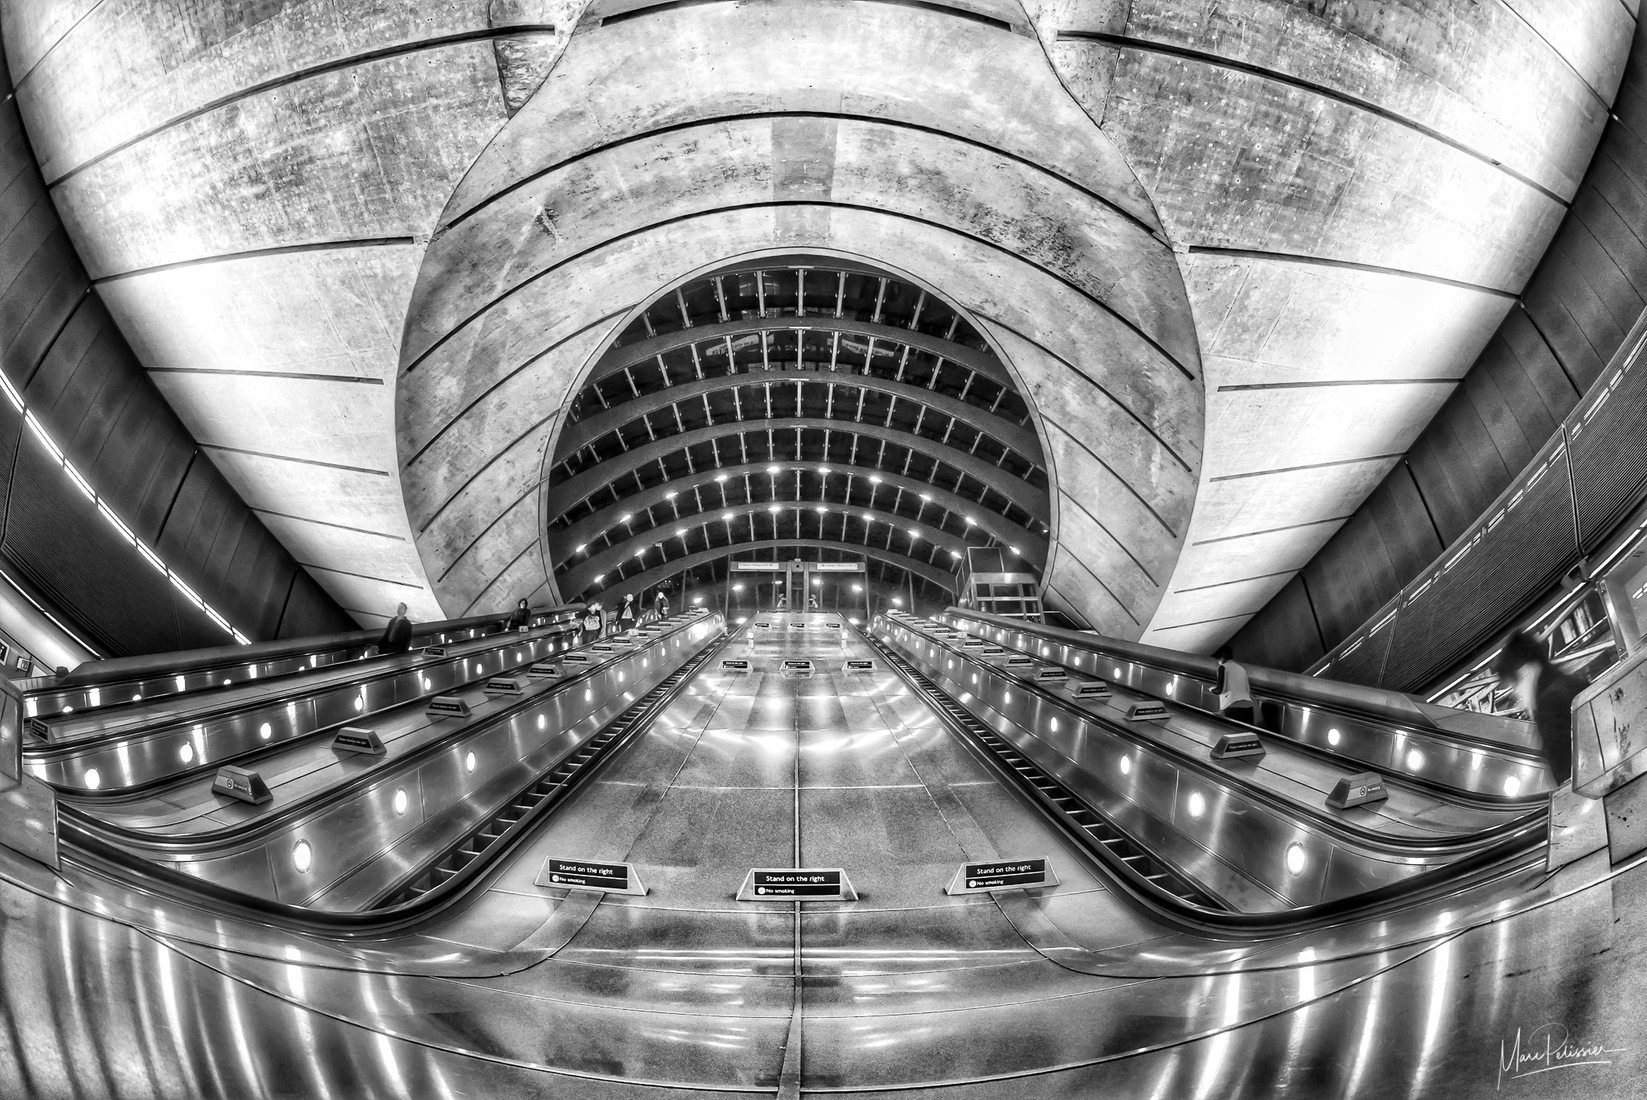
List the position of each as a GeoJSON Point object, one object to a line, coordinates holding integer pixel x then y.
{"type": "Point", "coordinates": [580, 548]}
{"type": "Point", "coordinates": [680, 531]}
{"type": "Point", "coordinates": [641, 553]}
{"type": "Point", "coordinates": [720, 477]}
{"type": "Point", "coordinates": [726, 515]}
{"type": "Point", "coordinates": [670, 495]}
{"type": "Point", "coordinates": [1013, 550]}
{"type": "Point", "coordinates": [897, 601]}
{"type": "Point", "coordinates": [772, 508]}
{"type": "Point", "coordinates": [970, 522]}
{"type": "Point", "coordinates": [626, 517]}
{"type": "Point", "coordinates": [737, 588]}
{"type": "Point", "coordinates": [927, 497]}
{"type": "Point", "coordinates": [869, 517]}
{"type": "Point", "coordinates": [824, 470]}
{"type": "Point", "coordinates": [874, 479]}
{"type": "Point", "coordinates": [819, 508]}
{"type": "Point", "coordinates": [955, 554]}
{"type": "Point", "coordinates": [914, 534]}
{"type": "Point", "coordinates": [857, 588]}
{"type": "Point", "coordinates": [597, 578]}
{"type": "Point", "coordinates": [771, 469]}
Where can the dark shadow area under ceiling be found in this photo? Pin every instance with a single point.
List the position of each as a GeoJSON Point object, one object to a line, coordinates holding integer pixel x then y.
{"type": "Point", "coordinates": [801, 403]}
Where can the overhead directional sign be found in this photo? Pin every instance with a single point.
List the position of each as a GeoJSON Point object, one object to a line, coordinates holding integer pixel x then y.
{"type": "Point", "coordinates": [586, 874]}
{"type": "Point", "coordinates": [1002, 874]}
{"type": "Point", "coordinates": [797, 884]}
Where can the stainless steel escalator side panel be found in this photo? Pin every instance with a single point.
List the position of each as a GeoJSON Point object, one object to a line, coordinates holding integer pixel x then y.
{"type": "Point", "coordinates": [308, 855]}
{"type": "Point", "coordinates": [1243, 849]}
{"type": "Point", "coordinates": [1501, 763]}
{"type": "Point", "coordinates": [170, 749]}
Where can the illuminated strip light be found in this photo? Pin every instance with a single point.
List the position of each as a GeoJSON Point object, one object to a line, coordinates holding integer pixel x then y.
{"type": "Point", "coordinates": [55, 621]}
{"type": "Point", "coordinates": [109, 517]}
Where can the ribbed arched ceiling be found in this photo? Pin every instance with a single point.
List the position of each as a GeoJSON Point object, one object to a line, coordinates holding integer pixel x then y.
{"type": "Point", "coordinates": [799, 400]}
{"type": "Point", "coordinates": [385, 260]}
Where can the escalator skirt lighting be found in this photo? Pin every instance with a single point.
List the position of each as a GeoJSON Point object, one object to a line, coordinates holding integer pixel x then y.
{"type": "Point", "coordinates": [241, 783]}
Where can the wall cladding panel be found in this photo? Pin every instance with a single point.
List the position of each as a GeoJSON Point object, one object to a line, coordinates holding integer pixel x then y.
{"type": "Point", "coordinates": [1573, 318]}
{"type": "Point", "coordinates": [66, 354]}
{"type": "Point", "coordinates": [77, 563]}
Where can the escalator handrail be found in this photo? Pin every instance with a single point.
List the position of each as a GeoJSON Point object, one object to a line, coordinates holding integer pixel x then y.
{"type": "Point", "coordinates": [183, 662]}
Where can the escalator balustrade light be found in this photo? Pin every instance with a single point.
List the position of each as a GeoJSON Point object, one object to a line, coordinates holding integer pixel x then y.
{"type": "Point", "coordinates": [186, 753]}
{"type": "Point", "coordinates": [1415, 760]}
{"type": "Point", "coordinates": [225, 681]}
{"type": "Point", "coordinates": [1197, 804]}
{"type": "Point", "coordinates": [1117, 672]}
{"type": "Point", "coordinates": [543, 722]}
{"type": "Point", "coordinates": [1295, 858]}
{"type": "Point", "coordinates": [68, 710]}
{"type": "Point", "coordinates": [1172, 688]}
{"type": "Point", "coordinates": [179, 682]}
{"type": "Point", "coordinates": [137, 697]}
{"type": "Point", "coordinates": [469, 762]}
{"type": "Point", "coordinates": [400, 801]}
{"type": "Point", "coordinates": [427, 684]}
{"type": "Point", "coordinates": [93, 779]}
{"type": "Point", "coordinates": [360, 703]}
{"type": "Point", "coordinates": [303, 856]}
{"type": "Point", "coordinates": [1333, 736]}
{"type": "Point", "coordinates": [1512, 786]}
{"type": "Point", "coordinates": [1053, 724]}
{"type": "Point", "coordinates": [265, 731]}
{"type": "Point", "coordinates": [1126, 765]}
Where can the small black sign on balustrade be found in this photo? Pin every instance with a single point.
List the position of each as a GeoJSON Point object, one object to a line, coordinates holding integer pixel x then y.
{"type": "Point", "coordinates": [358, 739]}
{"type": "Point", "coordinates": [587, 874]}
{"type": "Point", "coordinates": [797, 884]}
{"type": "Point", "coordinates": [1002, 874]}
{"type": "Point", "coordinates": [1359, 789]}
{"type": "Point", "coordinates": [1238, 746]}
{"type": "Point", "coordinates": [241, 783]}
{"type": "Point", "coordinates": [448, 706]}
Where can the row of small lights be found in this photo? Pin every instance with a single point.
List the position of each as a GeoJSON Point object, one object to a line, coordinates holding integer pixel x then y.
{"type": "Point", "coordinates": [1197, 802]}
{"type": "Point", "coordinates": [303, 851]}
{"type": "Point", "coordinates": [108, 515]}
{"type": "Point", "coordinates": [874, 479]}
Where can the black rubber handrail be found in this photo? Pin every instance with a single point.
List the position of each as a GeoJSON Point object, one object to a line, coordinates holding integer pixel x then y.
{"type": "Point", "coordinates": [1346, 831]}
{"type": "Point", "coordinates": [183, 662]}
{"type": "Point", "coordinates": [80, 847]}
{"type": "Point", "coordinates": [1517, 853]}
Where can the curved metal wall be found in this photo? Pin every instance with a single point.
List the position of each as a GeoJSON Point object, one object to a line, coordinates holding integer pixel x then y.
{"type": "Point", "coordinates": [65, 356]}
{"type": "Point", "coordinates": [1573, 317]}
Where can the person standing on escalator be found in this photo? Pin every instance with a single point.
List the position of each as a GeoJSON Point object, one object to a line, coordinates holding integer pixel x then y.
{"type": "Point", "coordinates": [397, 633]}
{"type": "Point", "coordinates": [1547, 693]}
{"type": "Point", "coordinates": [1234, 693]}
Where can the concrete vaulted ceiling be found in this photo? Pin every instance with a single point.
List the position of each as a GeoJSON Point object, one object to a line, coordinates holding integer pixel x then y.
{"type": "Point", "coordinates": [1225, 259]}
